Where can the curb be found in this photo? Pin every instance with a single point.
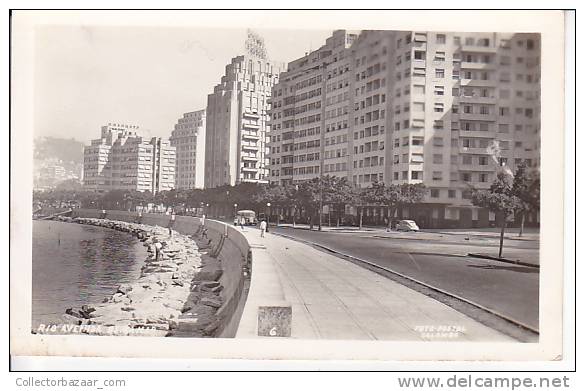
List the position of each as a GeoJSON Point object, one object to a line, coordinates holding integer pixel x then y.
{"type": "Point", "coordinates": [505, 260]}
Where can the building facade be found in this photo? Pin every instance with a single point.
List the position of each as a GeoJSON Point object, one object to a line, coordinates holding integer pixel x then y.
{"type": "Point", "coordinates": [188, 138]}
{"type": "Point", "coordinates": [123, 160]}
{"type": "Point", "coordinates": [442, 109]}
{"type": "Point", "coordinates": [237, 119]}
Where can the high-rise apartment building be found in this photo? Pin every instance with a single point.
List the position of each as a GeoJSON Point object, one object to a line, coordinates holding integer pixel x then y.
{"type": "Point", "coordinates": [310, 114]}
{"type": "Point", "coordinates": [123, 160]}
{"type": "Point", "coordinates": [411, 107]}
{"type": "Point", "coordinates": [237, 119]}
{"type": "Point", "coordinates": [188, 138]}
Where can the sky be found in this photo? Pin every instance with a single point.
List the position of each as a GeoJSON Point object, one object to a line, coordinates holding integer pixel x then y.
{"type": "Point", "coordinates": [87, 76]}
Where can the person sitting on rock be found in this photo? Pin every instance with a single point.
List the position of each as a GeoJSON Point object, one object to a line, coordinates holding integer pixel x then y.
{"type": "Point", "coordinates": [157, 248]}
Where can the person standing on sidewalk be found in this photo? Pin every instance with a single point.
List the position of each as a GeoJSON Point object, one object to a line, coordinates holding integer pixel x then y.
{"type": "Point", "coordinates": [262, 228]}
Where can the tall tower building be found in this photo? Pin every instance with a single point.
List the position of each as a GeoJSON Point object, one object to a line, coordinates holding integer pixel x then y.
{"type": "Point", "coordinates": [237, 119]}
{"type": "Point", "coordinates": [123, 160]}
{"type": "Point", "coordinates": [411, 107]}
{"type": "Point", "coordinates": [188, 138]}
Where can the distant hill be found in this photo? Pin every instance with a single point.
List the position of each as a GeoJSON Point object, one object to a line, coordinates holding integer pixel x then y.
{"type": "Point", "coordinates": [66, 150]}
{"type": "Point", "coordinates": [57, 161]}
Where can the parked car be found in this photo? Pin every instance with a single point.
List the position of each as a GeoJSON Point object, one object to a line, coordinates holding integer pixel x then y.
{"type": "Point", "coordinates": [407, 225]}
{"type": "Point", "coordinates": [249, 217]}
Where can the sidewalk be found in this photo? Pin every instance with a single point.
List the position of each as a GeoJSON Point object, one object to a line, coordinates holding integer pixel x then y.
{"type": "Point", "coordinates": [335, 299]}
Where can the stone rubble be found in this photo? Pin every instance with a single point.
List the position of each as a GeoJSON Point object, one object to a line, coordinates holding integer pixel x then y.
{"type": "Point", "coordinates": [179, 292]}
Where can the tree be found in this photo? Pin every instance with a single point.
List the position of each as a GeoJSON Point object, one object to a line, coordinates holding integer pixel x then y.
{"type": "Point", "coordinates": [310, 197]}
{"type": "Point", "coordinates": [394, 196]}
{"type": "Point", "coordinates": [499, 199]}
{"type": "Point", "coordinates": [526, 186]}
{"type": "Point", "coordinates": [337, 192]}
{"type": "Point", "coordinates": [276, 195]}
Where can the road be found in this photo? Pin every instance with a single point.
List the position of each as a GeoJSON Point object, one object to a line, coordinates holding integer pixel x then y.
{"type": "Point", "coordinates": [441, 261]}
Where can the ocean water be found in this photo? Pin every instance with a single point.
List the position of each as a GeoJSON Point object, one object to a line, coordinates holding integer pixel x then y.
{"type": "Point", "coordinates": [75, 264]}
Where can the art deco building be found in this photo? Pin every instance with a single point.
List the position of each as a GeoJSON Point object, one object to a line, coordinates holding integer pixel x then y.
{"type": "Point", "coordinates": [188, 138]}
{"type": "Point", "coordinates": [123, 160]}
{"type": "Point", "coordinates": [237, 119]}
{"type": "Point", "coordinates": [411, 107]}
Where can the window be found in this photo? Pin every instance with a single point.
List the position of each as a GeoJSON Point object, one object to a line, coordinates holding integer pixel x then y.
{"type": "Point", "coordinates": [438, 124]}
{"type": "Point", "coordinates": [455, 74]}
{"type": "Point", "coordinates": [419, 55]}
{"type": "Point", "coordinates": [440, 56]}
{"type": "Point", "coordinates": [452, 193]}
{"type": "Point", "coordinates": [438, 159]}
{"type": "Point", "coordinates": [483, 161]}
{"type": "Point", "coordinates": [455, 92]}
{"type": "Point", "coordinates": [457, 40]}
{"type": "Point", "coordinates": [416, 175]}
{"type": "Point", "coordinates": [439, 90]}
{"type": "Point", "coordinates": [441, 38]}
{"type": "Point", "coordinates": [435, 193]}
{"type": "Point", "coordinates": [503, 128]}
{"type": "Point", "coordinates": [466, 160]}
{"type": "Point", "coordinates": [439, 107]}
{"type": "Point", "coordinates": [439, 73]}
{"type": "Point", "coordinates": [417, 140]}
{"type": "Point", "coordinates": [465, 177]}
{"type": "Point", "coordinates": [419, 72]}
{"type": "Point", "coordinates": [438, 141]}
{"type": "Point", "coordinates": [437, 175]}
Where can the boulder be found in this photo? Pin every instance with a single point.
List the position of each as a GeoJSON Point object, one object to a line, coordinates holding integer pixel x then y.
{"type": "Point", "coordinates": [124, 289]}
{"type": "Point", "coordinates": [211, 302]}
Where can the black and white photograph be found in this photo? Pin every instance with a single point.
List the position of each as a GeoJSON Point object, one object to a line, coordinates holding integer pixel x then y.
{"type": "Point", "coordinates": [224, 183]}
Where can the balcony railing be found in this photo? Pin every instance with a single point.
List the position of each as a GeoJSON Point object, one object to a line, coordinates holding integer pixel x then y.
{"type": "Point", "coordinates": [249, 114]}
{"type": "Point", "coordinates": [478, 49]}
{"type": "Point", "coordinates": [474, 151]}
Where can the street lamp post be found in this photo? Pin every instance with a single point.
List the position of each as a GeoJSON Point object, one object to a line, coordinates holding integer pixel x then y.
{"type": "Point", "coordinates": [227, 195]}
{"type": "Point", "coordinates": [235, 213]}
{"type": "Point", "coordinates": [320, 201]}
{"type": "Point", "coordinates": [295, 206]}
{"type": "Point", "coordinates": [267, 215]}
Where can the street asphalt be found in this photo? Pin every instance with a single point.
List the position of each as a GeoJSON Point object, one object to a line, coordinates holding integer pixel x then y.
{"type": "Point", "coordinates": [442, 262]}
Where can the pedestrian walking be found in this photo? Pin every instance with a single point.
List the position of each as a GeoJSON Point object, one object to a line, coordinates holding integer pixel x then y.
{"type": "Point", "coordinates": [202, 220]}
{"type": "Point", "coordinates": [263, 226]}
{"type": "Point", "coordinates": [103, 213]}
{"type": "Point", "coordinates": [242, 221]}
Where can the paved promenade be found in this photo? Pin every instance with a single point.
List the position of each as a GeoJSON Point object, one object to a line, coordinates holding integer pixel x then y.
{"type": "Point", "coordinates": [334, 299]}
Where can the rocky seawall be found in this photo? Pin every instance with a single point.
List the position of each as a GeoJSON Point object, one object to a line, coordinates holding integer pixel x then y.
{"type": "Point", "coordinates": [177, 293]}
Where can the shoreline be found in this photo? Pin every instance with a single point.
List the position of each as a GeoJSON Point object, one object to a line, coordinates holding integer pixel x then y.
{"type": "Point", "coordinates": [179, 292]}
